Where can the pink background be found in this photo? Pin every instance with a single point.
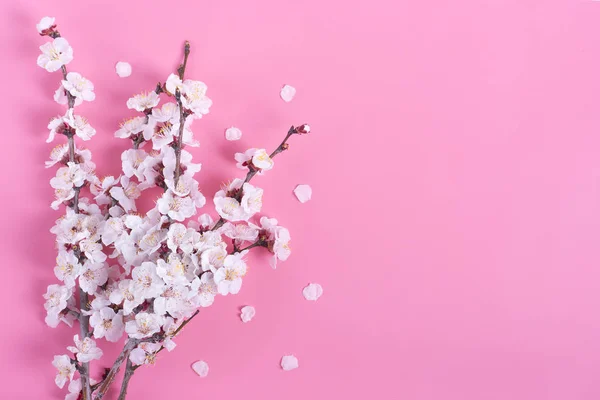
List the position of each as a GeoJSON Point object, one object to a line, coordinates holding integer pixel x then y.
{"type": "Point", "coordinates": [455, 220]}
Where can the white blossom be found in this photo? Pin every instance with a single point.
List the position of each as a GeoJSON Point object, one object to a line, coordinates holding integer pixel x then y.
{"type": "Point", "coordinates": [133, 163]}
{"type": "Point", "coordinates": [126, 193]}
{"type": "Point", "coordinates": [143, 101]}
{"type": "Point", "coordinates": [85, 349]}
{"type": "Point", "coordinates": [107, 324]}
{"type": "Point", "coordinates": [67, 268]}
{"type": "Point", "coordinates": [131, 126]}
{"type": "Point", "coordinates": [144, 353]}
{"type": "Point", "coordinates": [194, 97]}
{"type": "Point", "coordinates": [65, 368]}
{"type": "Point", "coordinates": [204, 289]}
{"type": "Point", "coordinates": [92, 276]}
{"type": "Point", "coordinates": [278, 240]}
{"type": "Point", "coordinates": [231, 209]}
{"type": "Point", "coordinates": [128, 294]}
{"type": "Point", "coordinates": [229, 277]}
{"type": "Point", "coordinates": [57, 297]}
{"type": "Point", "coordinates": [79, 87]}
{"type": "Point", "coordinates": [172, 272]}
{"type": "Point", "coordinates": [144, 325]}
{"type": "Point", "coordinates": [178, 208]}
{"type": "Point", "coordinates": [55, 54]}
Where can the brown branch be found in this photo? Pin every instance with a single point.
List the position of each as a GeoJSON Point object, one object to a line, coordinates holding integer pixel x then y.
{"type": "Point", "coordinates": [252, 172]}
{"type": "Point", "coordinates": [114, 370]}
{"type": "Point", "coordinates": [129, 370]}
{"type": "Point", "coordinates": [182, 114]}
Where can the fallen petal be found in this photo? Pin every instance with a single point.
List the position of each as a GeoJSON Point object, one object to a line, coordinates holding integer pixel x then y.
{"type": "Point", "coordinates": [303, 193]}
{"type": "Point", "coordinates": [312, 292]}
{"type": "Point", "coordinates": [248, 312]}
{"type": "Point", "coordinates": [201, 368]}
{"type": "Point", "coordinates": [287, 93]}
{"type": "Point", "coordinates": [233, 133]}
{"type": "Point", "coordinates": [123, 69]}
{"type": "Point", "coordinates": [289, 363]}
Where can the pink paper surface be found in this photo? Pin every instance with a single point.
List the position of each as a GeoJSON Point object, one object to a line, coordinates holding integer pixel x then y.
{"type": "Point", "coordinates": [455, 166]}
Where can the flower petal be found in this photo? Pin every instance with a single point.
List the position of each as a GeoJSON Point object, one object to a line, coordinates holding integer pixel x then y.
{"type": "Point", "coordinates": [123, 69]}
{"type": "Point", "coordinates": [201, 368]}
{"type": "Point", "coordinates": [303, 193]}
{"type": "Point", "coordinates": [312, 292]}
{"type": "Point", "coordinates": [289, 363]}
{"type": "Point", "coordinates": [233, 133]}
{"type": "Point", "coordinates": [248, 312]}
{"type": "Point", "coordinates": [287, 93]}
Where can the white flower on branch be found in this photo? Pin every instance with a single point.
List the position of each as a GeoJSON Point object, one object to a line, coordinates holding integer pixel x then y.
{"type": "Point", "coordinates": [131, 126]}
{"type": "Point", "coordinates": [67, 268]}
{"type": "Point", "coordinates": [57, 297]}
{"type": "Point", "coordinates": [92, 276]}
{"type": "Point", "coordinates": [229, 277]}
{"type": "Point", "coordinates": [107, 324]}
{"type": "Point", "coordinates": [79, 87]}
{"type": "Point", "coordinates": [145, 353]}
{"type": "Point", "coordinates": [55, 54]}
{"type": "Point", "coordinates": [172, 272]}
{"type": "Point", "coordinates": [144, 325]}
{"type": "Point", "coordinates": [258, 159]}
{"type": "Point", "coordinates": [133, 163]}
{"type": "Point", "coordinates": [230, 208]}
{"type": "Point", "coordinates": [68, 177]}
{"type": "Point", "coordinates": [204, 290]}
{"type": "Point", "coordinates": [277, 239]}
{"type": "Point", "coordinates": [126, 193]}
{"type": "Point", "coordinates": [146, 281]}
{"type": "Point", "coordinates": [178, 208]}
{"type": "Point", "coordinates": [65, 368]}
{"type": "Point", "coordinates": [60, 96]}
{"type": "Point", "coordinates": [143, 101]}
{"type": "Point", "coordinates": [128, 295]}
{"type": "Point", "coordinates": [85, 349]}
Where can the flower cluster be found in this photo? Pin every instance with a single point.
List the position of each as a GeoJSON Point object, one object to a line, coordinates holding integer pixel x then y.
{"type": "Point", "coordinates": [143, 276]}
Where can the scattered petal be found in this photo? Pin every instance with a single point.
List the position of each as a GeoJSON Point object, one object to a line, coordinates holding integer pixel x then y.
{"type": "Point", "coordinates": [289, 363]}
{"type": "Point", "coordinates": [248, 312]}
{"type": "Point", "coordinates": [312, 292]}
{"type": "Point", "coordinates": [287, 93]}
{"type": "Point", "coordinates": [233, 133]}
{"type": "Point", "coordinates": [303, 193]}
{"type": "Point", "coordinates": [123, 69]}
{"type": "Point", "coordinates": [201, 368]}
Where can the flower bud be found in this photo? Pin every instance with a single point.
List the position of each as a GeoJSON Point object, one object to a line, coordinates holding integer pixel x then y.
{"type": "Point", "coordinates": [302, 129]}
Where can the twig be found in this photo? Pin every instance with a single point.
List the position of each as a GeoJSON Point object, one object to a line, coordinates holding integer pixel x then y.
{"type": "Point", "coordinates": [182, 114]}
{"type": "Point", "coordinates": [114, 370]}
{"type": "Point", "coordinates": [252, 172]}
{"type": "Point", "coordinates": [129, 370]}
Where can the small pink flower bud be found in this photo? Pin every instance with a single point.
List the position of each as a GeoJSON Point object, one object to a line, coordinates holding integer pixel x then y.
{"type": "Point", "coordinates": [303, 129]}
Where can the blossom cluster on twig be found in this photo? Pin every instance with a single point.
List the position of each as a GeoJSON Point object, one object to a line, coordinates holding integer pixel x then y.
{"type": "Point", "coordinates": [143, 276]}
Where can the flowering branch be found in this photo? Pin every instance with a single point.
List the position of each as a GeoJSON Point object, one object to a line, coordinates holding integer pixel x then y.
{"type": "Point", "coordinates": [165, 266]}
